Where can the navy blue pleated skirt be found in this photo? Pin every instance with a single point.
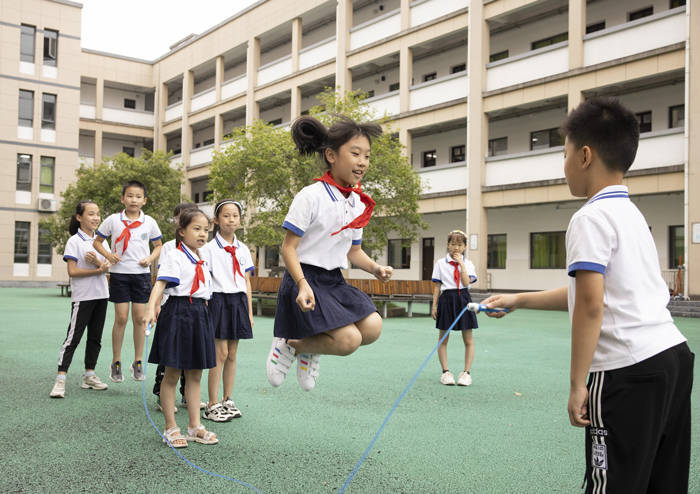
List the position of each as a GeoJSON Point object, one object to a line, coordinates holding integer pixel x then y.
{"type": "Point", "coordinates": [450, 304]}
{"type": "Point", "coordinates": [184, 337]}
{"type": "Point", "coordinates": [229, 316]}
{"type": "Point", "coordinates": [337, 304]}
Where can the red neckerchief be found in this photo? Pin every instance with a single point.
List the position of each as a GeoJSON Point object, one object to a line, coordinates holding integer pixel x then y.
{"type": "Point", "coordinates": [126, 234]}
{"type": "Point", "coordinates": [198, 272]}
{"type": "Point", "coordinates": [455, 274]}
{"type": "Point", "coordinates": [362, 220]}
{"type": "Point", "coordinates": [236, 265]}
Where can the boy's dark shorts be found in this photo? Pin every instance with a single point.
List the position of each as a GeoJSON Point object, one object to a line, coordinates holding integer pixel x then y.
{"type": "Point", "coordinates": [134, 288]}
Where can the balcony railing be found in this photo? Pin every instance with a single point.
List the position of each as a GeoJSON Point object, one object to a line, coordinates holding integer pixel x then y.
{"type": "Point", "coordinates": [531, 166]}
{"type": "Point", "coordinates": [317, 53]}
{"type": "Point", "coordinates": [660, 149]}
{"type": "Point", "coordinates": [379, 28]}
{"type": "Point", "coordinates": [529, 66]}
{"type": "Point", "coordinates": [203, 99]}
{"type": "Point", "coordinates": [235, 86]}
{"type": "Point", "coordinates": [201, 156]}
{"type": "Point", "coordinates": [173, 111]}
{"type": "Point", "coordinates": [648, 33]}
{"type": "Point", "coordinates": [385, 104]}
{"type": "Point", "coordinates": [443, 178]}
{"type": "Point", "coordinates": [131, 117]}
{"type": "Point", "coordinates": [451, 87]}
{"type": "Point", "coordinates": [275, 70]}
{"type": "Point", "coordinates": [424, 11]}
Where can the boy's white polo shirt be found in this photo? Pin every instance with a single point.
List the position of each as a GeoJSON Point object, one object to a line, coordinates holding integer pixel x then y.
{"type": "Point", "coordinates": [317, 211]}
{"type": "Point", "coordinates": [609, 235]}
{"type": "Point", "coordinates": [221, 264]}
{"type": "Point", "coordinates": [443, 273]}
{"type": "Point", "coordinates": [85, 287]}
{"type": "Point", "coordinates": [178, 271]}
{"type": "Point", "coordinates": [138, 247]}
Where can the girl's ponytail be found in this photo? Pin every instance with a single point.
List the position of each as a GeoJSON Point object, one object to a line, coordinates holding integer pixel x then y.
{"type": "Point", "coordinates": [309, 135]}
{"type": "Point", "coordinates": [79, 210]}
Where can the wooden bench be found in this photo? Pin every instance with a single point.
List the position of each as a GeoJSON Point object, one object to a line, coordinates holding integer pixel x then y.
{"type": "Point", "coordinates": [64, 286]}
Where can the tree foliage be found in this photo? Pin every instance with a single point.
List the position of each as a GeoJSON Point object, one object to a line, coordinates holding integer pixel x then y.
{"type": "Point", "coordinates": [103, 185]}
{"type": "Point", "coordinates": [263, 170]}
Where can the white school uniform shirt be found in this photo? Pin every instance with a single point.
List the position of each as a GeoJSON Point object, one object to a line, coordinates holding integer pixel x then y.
{"type": "Point", "coordinates": [221, 265]}
{"type": "Point", "coordinates": [85, 287]}
{"type": "Point", "coordinates": [167, 247]}
{"type": "Point", "coordinates": [317, 211]}
{"type": "Point", "coordinates": [609, 235]}
{"type": "Point", "coordinates": [137, 249]}
{"type": "Point", "coordinates": [443, 273]}
{"type": "Point", "coordinates": [178, 271]}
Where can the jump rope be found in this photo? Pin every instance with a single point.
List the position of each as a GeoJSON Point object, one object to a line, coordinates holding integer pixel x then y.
{"type": "Point", "coordinates": [472, 307]}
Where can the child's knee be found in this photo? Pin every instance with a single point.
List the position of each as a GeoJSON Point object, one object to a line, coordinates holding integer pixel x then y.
{"type": "Point", "coordinates": [349, 342]}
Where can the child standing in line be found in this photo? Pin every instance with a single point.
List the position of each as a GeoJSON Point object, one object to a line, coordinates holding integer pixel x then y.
{"type": "Point", "coordinates": [230, 307]}
{"type": "Point", "coordinates": [129, 275]}
{"type": "Point", "coordinates": [168, 247]}
{"type": "Point", "coordinates": [636, 405]}
{"type": "Point", "coordinates": [184, 338]}
{"type": "Point", "coordinates": [452, 276]}
{"type": "Point", "coordinates": [89, 295]}
{"type": "Point", "coordinates": [317, 311]}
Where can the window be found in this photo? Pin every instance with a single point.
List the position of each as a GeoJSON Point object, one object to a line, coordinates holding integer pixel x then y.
{"type": "Point", "coordinates": [498, 146]}
{"type": "Point", "coordinates": [43, 255]}
{"type": "Point", "coordinates": [457, 154]}
{"type": "Point", "coordinates": [638, 14]}
{"type": "Point", "coordinates": [592, 28]}
{"type": "Point", "coordinates": [496, 251]}
{"type": "Point", "coordinates": [130, 103]}
{"type": "Point", "coordinates": [541, 43]}
{"type": "Point", "coordinates": [430, 77]}
{"type": "Point", "coordinates": [46, 173]}
{"type": "Point", "coordinates": [547, 138]}
{"type": "Point", "coordinates": [676, 116]}
{"type": "Point", "coordinates": [26, 108]}
{"type": "Point", "coordinates": [26, 43]}
{"type": "Point", "coordinates": [462, 67]}
{"type": "Point", "coordinates": [676, 3]}
{"type": "Point", "coordinates": [48, 111]}
{"type": "Point", "coordinates": [22, 242]}
{"type": "Point", "coordinates": [548, 250]}
{"type": "Point", "coordinates": [276, 121]}
{"type": "Point", "coordinates": [272, 257]}
{"type": "Point", "coordinates": [148, 102]}
{"type": "Point", "coordinates": [208, 142]}
{"type": "Point", "coordinates": [644, 119]}
{"type": "Point", "coordinates": [429, 158]}
{"type": "Point", "coordinates": [128, 150]}
{"type": "Point", "coordinates": [50, 47]}
{"type": "Point", "coordinates": [206, 195]}
{"type": "Point", "coordinates": [495, 57]}
{"type": "Point", "coordinates": [196, 198]}
{"type": "Point", "coordinates": [399, 254]}
{"type": "Point", "coordinates": [24, 172]}
{"type": "Point", "coordinates": [394, 87]}
{"type": "Point", "coordinates": [676, 247]}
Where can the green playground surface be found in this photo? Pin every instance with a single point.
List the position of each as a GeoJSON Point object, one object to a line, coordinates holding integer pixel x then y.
{"type": "Point", "coordinates": [507, 433]}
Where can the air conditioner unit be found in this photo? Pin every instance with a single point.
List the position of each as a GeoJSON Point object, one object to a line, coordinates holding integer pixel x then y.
{"type": "Point", "coordinates": [48, 205]}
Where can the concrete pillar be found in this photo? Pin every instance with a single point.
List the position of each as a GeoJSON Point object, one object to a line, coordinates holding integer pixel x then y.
{"type": "Point", "coordinates": [295, 104]}
{"type": "Point", "coordinates": [691, 286]}
{"type": "Point", "coordinates": [98, 146]}
{"type": "Point", "coordinates": [160, 142]}
{"type": "Point", "coordinates": [99, 97]}
{"type": "Point", "coordinates": [218, 131]}
{"type": "Point", "coordinates": [477, 137]}
{"type": "Point", "coordinates": [405, 14]}
{"type": "Point", "coordinates": [296, 43]}
{"type": "Point", "coordinates": [577, 29]}
{"type": "Point", "coordinates": [405, 139]}
{"type": "Point", "coordinates": [187, 88]}
{"type": "Point", "coordinates": [252, 110]}
{"type": "Point", "coordinates": [405, 76]}
{"type": "Point", "coordinates": [219, 76]}
{"type": "Point", "coordinates": [343, 23]}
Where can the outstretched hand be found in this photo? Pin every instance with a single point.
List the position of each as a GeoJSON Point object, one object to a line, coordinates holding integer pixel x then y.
{"type": "Point", "coordinates": [500, 300]}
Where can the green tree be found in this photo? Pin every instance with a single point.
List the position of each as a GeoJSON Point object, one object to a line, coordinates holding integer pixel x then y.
{"type": "Point", "coordinates": [103, 184]}
{"type": "Point", "coordinates": [262, 169]}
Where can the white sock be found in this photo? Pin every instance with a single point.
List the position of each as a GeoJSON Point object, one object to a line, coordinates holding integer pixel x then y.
{"type": "Point", "coordinates": [89, 373]}
{"type": "Point", "coordinates": [62, 377]}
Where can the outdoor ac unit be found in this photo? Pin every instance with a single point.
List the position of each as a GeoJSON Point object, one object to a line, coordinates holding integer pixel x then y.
{"type": "Point", "coordinates": [46, 204]}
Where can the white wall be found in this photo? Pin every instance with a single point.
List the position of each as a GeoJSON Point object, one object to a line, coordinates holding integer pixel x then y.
{"type": "Point", "coordinates": [201, 135]}
{"type": "Point", "coordinates": [205, 84]}
{"type": "Point", "coordinates": [658, 100]}
{"type": "Point", "coordinates": [235, 71]}
{"type": "Point", "coordinates": [276, 53]}
{"type": "Point", "coordinates": [229, 125]}
{"type": "Point", "coordinates": [88, 94]}
{"type": "Point", "coordinates": [282, 112]}
{"type": "Point", "coordinates": [372, 10]}
{"type": "Point", "coordinates": [86, 145]}
{"type": "Point", "coordinates": [518, 129]}
{"type": "Point", "coordinates": [374, 81]}
{"type": "Point", "coordinates": [112, 146]}
{"type": "Point", "coordinates": [441, 142]}
{"type": "Point", "coordinates": [319, 34]}
{"type": "Point", "coordinates": [440, 63]}
{"type": "Point", "coordinates": [518, 40]}
{"type": "Point", "coordinates": [114, 98]}
{"type": "Point", "coordinates": [614, 12]}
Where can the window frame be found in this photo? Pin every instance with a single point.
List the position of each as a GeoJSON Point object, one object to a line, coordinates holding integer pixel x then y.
{"type": "Point", "coordinates": [670, 116]}
{"type": "Point", "coordinates": [463, 154]}
{"type": "Point", "coordinates": [549, 41]}
{"type": "Point", "coordinates": [394, 87]}
{"type": "Point", "coordinates": [460, 67]}
{"type": "Point", "coordinates": [499, 55]}
{"type": "Point", "coordinates": [404, 253]}
{"type": "Point", "coordinates": [129, 101]}
{"type": "Point", "coordinates": [272, 260]}
{"type": "Point", "coordinates": [20, 257]}
{"type": "Point", "coordinates": [596, 26]}
{"type": "Point", "coordinates": [430, 76]}
{"type": "Point", "coordinates": [50, 45]}
{"type": "Point", "coordinates": [24, 54]}
{"type": "Point", "coordinates": [634, 15]}
{"type": "Point", "coordinates": [491, 144]}
{"type": "Point", "coordinates": [45, 164]}
{"type": "Point", "coordinates": [129, 151]}
{"type": "Point", "coordinates": [672, 246]}
{"type": "Point", "coordinates": [46, 123]}
{"type": "Point", "coordinates": [643, 114]}
{"type": "Point", "coordinates": [44, 251]}
{"type": "Point", "coordinates": [22, 185]}
{"type": "Point", "coordinates": [425, 154]}
{"type": "Point", "coordinates": [20, 106]}
{"type": "Point", "coordinates": [555, 260]}
{"type": "Point", "coordinates": [554, 131]}
{"type": "Point", "coordinates": [495, 258]}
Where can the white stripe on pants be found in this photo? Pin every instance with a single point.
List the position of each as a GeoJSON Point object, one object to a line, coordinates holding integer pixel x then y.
{"type": "Point", "coordinates": [71, 332]}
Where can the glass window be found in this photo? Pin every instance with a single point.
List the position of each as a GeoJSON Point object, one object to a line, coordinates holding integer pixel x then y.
{"type": "Point", "coordinates": [429, 158]}
{"type": "Point", "coordinates": [26, 108]}
{"type": "Point", "coordinates": [548, 250]}
{"type": "Point", "coordinates": [592, 28]}
{"type": "Point", "coordinates": [399, 254]}
{"type": "Point", "coordinates": [551, 40]}
{"type": "Point", "coordinates": [24, 172]}
{"type": "Point", "coordinates": [457, 154]}
{"type": "Point", "coordinates": [26, 45]}
{"type": "Point", "coordinates": [22, 242]}
{"type": "Point", "coordinates": [50, 47]}
{"type": "Point", "coordinates": [676, 246]}
{"type": "Point", "coordinates": [676, 116]}
{"type": "Point", "coordinates": [276, 121]}
{"type": "Point", "coordinates": [430, 77]}
{"type": "Point", "coordinates": [644, 119]}
{"type": "Point", "coordinates": [496, 251]}
{"type": "Point", "coordinates": [272, 257]}
{"type": "Point", "coordinates": [46, 173]}
{"type": "Point", "coordinates": [394, 87]}
{"type": "Point", "coordinates": [498, 146]}
{"type": "Point", "coordinates": [462, 67]}
{"type": "Point", "coordinates": [48, 111]}
{"type": "Point", "coordinates": [148, 102]}
{"type": "Point", "coordinates": [129, 150]}
{"type": "Point", "coordinates": [130, 103]}
{"type": "Point", "coordinates": [546, 138]}
{"type": "Point", "coordinates": [676, 3]}
{"type": "Point", "coordinates": [638, 14]}
{"type": "Point", "coordinates": [495, 57]}
{"type": "Point", "coordinates": [44, 249]}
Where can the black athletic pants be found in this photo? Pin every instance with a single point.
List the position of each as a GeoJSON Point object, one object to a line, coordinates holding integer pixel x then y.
{"type": "Point", "coordinates": [160, 372]}
{"type": "Point", "coordinates": [639, 438]}
{"type": "Point", "coordinates": [90, 314]}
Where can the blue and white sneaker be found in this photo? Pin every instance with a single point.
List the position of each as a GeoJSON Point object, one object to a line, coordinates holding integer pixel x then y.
{"type": "Point", "coordinates": [279, 360]}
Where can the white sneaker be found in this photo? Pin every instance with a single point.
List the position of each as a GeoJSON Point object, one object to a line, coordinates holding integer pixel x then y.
{"type": "Point", "coordinates": [59, 389]}
{"type": "Point", "coordinates": [231, 408]}
{"type": "Point", "coordinates": [307, 370]}
{"type": "Point", "coordinates": [217, 413]}
{"type": "Point", "coordinates": [465, 379]}
{"type": "Point", "coordinates": [279, 360]}
{"type": "Point", "coordinates": [447, 378]}
{"type": "Point", "coordinates": [93, 382]}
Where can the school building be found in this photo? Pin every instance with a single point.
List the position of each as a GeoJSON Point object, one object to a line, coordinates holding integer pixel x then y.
{"type": "Point", "coordinates": [476, 90]}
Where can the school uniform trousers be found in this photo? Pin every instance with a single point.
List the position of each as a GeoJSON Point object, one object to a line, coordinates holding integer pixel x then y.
{"type": "Point", "coordinates": [84, 313]}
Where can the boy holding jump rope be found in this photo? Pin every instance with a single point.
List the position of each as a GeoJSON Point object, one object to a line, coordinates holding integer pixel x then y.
{"type": "Point", "coordinates": [636, 406]}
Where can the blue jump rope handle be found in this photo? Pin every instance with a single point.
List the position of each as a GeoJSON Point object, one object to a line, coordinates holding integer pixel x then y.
{"type": "Point", "coordinates": [482, 308]}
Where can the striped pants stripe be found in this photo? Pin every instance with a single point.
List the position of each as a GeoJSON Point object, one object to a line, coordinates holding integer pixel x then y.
{"type": "Point", "coordinates": [90, 314]}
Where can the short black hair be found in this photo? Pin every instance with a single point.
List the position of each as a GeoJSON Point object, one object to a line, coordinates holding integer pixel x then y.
{"type": "Point", "coordinates": [182, 206]}
{"type": "Point", "coordinates": [606, 126]}
{"type": "Point", "coordinates": [134, 183]}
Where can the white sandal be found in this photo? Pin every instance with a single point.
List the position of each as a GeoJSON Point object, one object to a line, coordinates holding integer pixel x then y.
{"type": "Point", "coordinates": [173, 434]}
{"type": "Point", "coordinates": [208, 437]}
